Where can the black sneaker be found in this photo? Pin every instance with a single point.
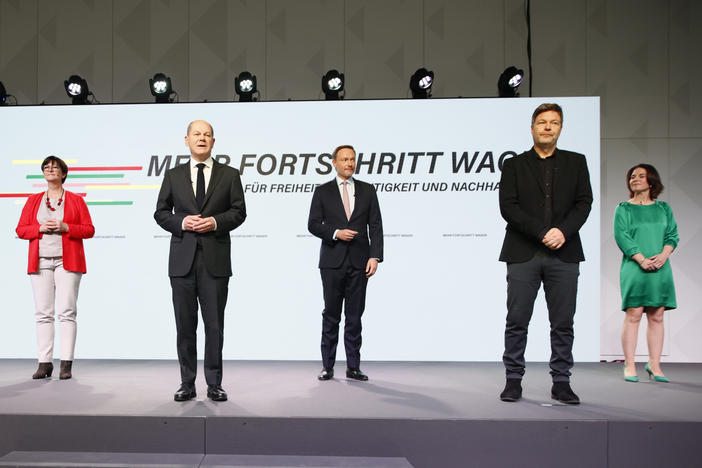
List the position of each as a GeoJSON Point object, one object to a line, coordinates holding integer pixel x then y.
{"type": "Point", "coordinates": [512, 391]}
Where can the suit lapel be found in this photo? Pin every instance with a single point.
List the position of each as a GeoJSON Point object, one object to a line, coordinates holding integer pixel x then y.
{"type": "Point", "coordinates": [336, 196]}
{"type": "Point", "coordinates": [215, 177]}
{"type": "Point", "coordinates": [187, 184]}
{"type": "Point", "coordinates": [357, 195]}
{"type": "Point", "coordinates": [534, 167]}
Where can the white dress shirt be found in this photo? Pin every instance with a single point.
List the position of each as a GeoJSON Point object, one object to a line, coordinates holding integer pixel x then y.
{"type": "Point", "coordinates": [351, 189]}
{"type": "Point", "coordinates": [207, 170]}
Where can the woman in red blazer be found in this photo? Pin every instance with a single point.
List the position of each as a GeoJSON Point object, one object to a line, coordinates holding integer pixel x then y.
{"type": "Point", "coordinates": [55, 222]}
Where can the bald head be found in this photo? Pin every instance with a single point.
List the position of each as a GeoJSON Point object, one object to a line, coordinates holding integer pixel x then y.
{"type": "Point", "coordinates": [190, 126]}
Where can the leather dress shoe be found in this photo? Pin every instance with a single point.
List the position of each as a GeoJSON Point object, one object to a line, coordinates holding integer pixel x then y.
{"type": "Point", "coordinates": [326, 374]}
{"type": "Point", "coordinates": [356, 374]}
{"type": "Point", "coordinates": [185, 393]}
{"type": "Point", "coordinates": [216, 393]}
{"type": "Point", "coordinates": [562, 392]}
{"type": "Point", "coordinates": [512, 391]}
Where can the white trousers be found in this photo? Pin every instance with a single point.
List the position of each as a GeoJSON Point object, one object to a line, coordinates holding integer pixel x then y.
{"type": "Point", "coordinates": [55, 291]}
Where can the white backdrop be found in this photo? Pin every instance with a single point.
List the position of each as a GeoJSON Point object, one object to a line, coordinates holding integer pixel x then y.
{"type": "Point", "coordinates": [439, 295]}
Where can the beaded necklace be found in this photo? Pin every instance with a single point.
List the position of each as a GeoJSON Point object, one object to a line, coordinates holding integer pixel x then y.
{"type": "Point", "coordinates": [60, 200]}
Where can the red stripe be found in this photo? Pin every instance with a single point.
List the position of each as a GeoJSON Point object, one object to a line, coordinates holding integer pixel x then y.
{"type": "Point", "coordinates": [25, 195]}
{"type": "Point", "coordinates": [107, 168]}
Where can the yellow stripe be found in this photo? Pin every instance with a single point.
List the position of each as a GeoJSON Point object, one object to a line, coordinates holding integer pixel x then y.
{"type": "Point", "coordinates": [122, 187]}
{"type": "Point", "coordinates": [39, 161]}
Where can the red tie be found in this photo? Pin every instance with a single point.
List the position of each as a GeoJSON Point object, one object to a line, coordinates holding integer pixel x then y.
{"type": "Point", "coordinates": [347, 205]}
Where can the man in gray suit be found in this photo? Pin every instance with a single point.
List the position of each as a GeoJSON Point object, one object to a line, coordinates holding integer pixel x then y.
{"type": "Point", "coordinates": [199, 204]}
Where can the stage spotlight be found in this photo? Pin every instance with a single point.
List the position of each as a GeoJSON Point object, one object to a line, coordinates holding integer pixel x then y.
{"type": "Point", "coordinates": [161, 88]}
{"type": "Point", "coordinates": [245, 87]}
{"type": "Point", "coordinates": [421, 82]}
{"type": "Point", "coordinates": [333, 85]}
{"type": "Point", "coordinates": [77, 89]}
{"type": "Point", "coordinates": [509, 82]}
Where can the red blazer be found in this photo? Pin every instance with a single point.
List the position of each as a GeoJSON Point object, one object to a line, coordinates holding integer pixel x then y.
{"type": "Point", "coordinates": [80, 227]}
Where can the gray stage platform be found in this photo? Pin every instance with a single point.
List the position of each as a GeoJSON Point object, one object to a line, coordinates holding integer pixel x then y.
{"type": "Point", "coordinates": [423, 414]}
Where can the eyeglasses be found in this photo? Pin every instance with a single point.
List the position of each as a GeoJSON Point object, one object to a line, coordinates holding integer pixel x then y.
{"type": "Point", "coordinates": [50, 168]}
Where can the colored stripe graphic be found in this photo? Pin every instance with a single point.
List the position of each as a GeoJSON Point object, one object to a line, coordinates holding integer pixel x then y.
{"type": "Point", "coordinates": [103, 203]}
{"type": "Point", "coordinates": [39, 161]}
{"type": "Point", "coordinates": [82, 176]}
{"type": "Point", "coordinates": [25, 195]}
{"type": "Point", "coordinates": [83, 184]}
{"type": "Point", "coordinates": [121, 187]}
{"type": "Point", "coordinates": [106, 168]}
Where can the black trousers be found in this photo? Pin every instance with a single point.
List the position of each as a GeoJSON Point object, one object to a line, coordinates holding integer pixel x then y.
{"type": "Point", "coordinates": [560, 280]}
{"type": "Point", "coordinates": [211, 292]}
{"type": "Point", "coordinates": [343, 286]}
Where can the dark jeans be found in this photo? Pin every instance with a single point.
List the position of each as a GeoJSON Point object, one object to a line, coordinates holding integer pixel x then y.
{"type": "Point", "coordinates": [560, 280]}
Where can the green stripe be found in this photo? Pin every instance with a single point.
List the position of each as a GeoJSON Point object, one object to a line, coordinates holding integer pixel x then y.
{"type": "Point", "coordinates": [109, 203]}
{"type": "Point", "coordinates": [82, 176]}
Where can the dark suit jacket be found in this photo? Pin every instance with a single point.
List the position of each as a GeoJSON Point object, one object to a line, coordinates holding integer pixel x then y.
{"type": "Point", "coordinates": [327, 215]}
{"type": "Point", "coordinates": [224, 200]}
{"type": "Point", "coordinates": [522, 199]}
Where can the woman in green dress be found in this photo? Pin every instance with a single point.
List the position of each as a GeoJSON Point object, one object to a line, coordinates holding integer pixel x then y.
{"type": "Point", "coordinates": [647, 234]}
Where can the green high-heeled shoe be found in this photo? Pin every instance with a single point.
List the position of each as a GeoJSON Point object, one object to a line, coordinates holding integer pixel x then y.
{"type": "Point", "coordinates": [656, 378]}
{"type": "Point", "coordinates": [630, 378]}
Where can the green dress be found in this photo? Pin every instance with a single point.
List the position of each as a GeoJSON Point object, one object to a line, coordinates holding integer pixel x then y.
{"type": "Point", "coordinates": [645, 229]}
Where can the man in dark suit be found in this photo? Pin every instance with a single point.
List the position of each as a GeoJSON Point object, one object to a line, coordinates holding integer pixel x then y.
{"type": "Point", "coordinates": [545, 197]}
{"type": "Point", "coordinates": [199, 204]}
{"type": "Point", "coordinates": [345, 214]}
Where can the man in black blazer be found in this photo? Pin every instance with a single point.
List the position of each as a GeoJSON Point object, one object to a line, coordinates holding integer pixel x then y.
{"type": "Point", "coordinates": [345, 214]}
{"type": "Point", "coordinates": [199, 204]}
{"type": "Point", "coordinates": [545, 197]}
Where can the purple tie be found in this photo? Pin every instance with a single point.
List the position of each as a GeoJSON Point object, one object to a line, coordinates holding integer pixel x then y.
{"type": "Point", "coordinates": [347, 205]}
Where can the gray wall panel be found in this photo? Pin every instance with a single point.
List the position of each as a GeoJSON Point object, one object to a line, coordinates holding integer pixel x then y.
{"type": "Point", "coordinates": [464, 46]}
{"type": "Point", "coordinates": [627, 64]}
{"type": "Point", "coordinates": [558, 44]}
{"type": "Point", "coordinates": [685, 68]}
{"type": "Point", "coordinates": [227, 37]}
{"type": "Point", "coordinates": [149, 37]}
{"type": "Point", "coordinates": [684, 193]}
{"type": "Point", "coordinates": [515, 41]}
{"type": "Point", "coordinates": [383, 47]}
{"type": "Point", "coordinates": [74, 38]}
{"type": "Point", "coordinates": [247, 43]}
{"type": "Point", "coordinates": [303, 40]}
{"type": "Point", "coordinates": [18, 49]}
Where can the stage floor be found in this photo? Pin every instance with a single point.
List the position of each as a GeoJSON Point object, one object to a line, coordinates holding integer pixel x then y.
{"type": "Point", "coordinates": [426, 390]}
{"type": "Point", "coordinates": [427, 414]}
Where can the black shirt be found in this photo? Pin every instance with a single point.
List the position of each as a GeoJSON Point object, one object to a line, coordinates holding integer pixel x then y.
{"type": "Point", "coordinates": [547, 174]}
